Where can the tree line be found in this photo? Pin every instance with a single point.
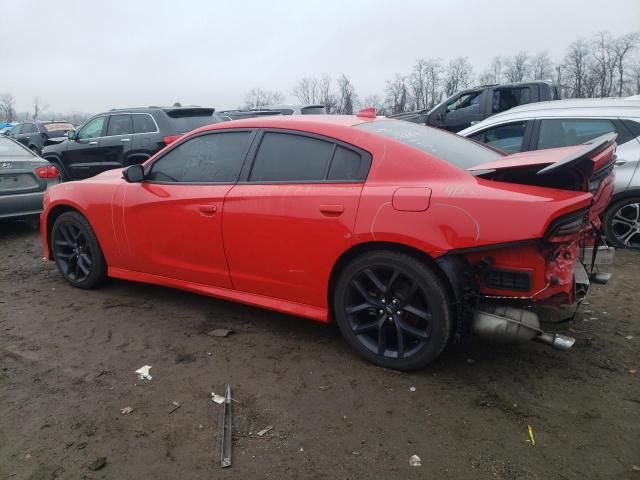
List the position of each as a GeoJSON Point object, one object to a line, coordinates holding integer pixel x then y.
{"type": "Point", "coordinates": [601, 66]}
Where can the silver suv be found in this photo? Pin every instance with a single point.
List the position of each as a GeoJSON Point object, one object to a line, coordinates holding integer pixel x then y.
{"type": "Point", "coordinates": [571, 122]}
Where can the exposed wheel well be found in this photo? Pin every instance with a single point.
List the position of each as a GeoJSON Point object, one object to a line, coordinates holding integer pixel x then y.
{"type": "Point", "coordinates": [58, 163]}
{"type": "Point", "coordinates": [634, 192]}
{"type": "Point", "coordinates": [51, 219]}
{"type": "Point", "coordinates": [356, 250]}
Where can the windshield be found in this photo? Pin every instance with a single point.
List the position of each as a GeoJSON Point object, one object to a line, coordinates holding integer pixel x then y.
{"type": "Point", "coordinates": [447, 146]}
{"type": "Point", "coordinates": [9, 148]}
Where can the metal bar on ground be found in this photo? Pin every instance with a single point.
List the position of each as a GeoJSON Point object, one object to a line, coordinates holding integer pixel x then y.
{"type": "Point", "coordinates": [226, 430]}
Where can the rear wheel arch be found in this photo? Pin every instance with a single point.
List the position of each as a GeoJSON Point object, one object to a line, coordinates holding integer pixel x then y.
{"type": "Point", "coordinates": [361, 248]}
{"type": "Point", "coordinates": [55, 160]}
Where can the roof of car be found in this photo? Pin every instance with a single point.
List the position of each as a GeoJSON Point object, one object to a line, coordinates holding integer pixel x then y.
{"type": "Point", "coordinates": [296, 122]}
{"type": "Point", "coordinates": [583, 107]}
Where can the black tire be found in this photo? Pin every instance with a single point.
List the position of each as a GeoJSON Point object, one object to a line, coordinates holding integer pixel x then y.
{"type": "Point", "coordinates": [407, 300]}
{"type": "Point", "coordinates": [77, 252]}
{"type": "Point", "coordinates": [621, 223]}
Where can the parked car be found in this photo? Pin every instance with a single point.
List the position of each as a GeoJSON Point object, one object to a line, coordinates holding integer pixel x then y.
{"type": "Point", "coordinates": [267, 110]}
{"type": "Point", "coordinates": [34, 135]}
{"type": "Point", "coordinates": [24, 177]}
{"type": "Point", "coordinates": [123, 137]}
{"type": "Point", "coordinates": [571, 122]}
{"type": "Point", "coordinates": [408, 237]}
{"type": "Point", "coordinates": [475, 104]}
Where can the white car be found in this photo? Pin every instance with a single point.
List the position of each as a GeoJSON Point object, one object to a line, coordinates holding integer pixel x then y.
{"type": "Point", "coordinates": [537, 126]}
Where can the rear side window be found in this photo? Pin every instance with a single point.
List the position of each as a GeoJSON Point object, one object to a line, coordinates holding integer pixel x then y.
{"type": "Point", "coordinates": [506, 98]}
{"type": "Point", "coordinates": [119, 125]}
{"type": "Point", "coordinates": [143, 123]}
{"type": "Point", "coordinates": [571, 131]}
{"type": "Point", "coordinates": [28, 128]}
{"type": "Point", "coordinates": [346, 165]}
{"type": "Point", "coordinates": [284, 157]}
{"type": "Point", "coordinates": [507, 137]}
{"type": "Point", "coordinates": [213, 158]}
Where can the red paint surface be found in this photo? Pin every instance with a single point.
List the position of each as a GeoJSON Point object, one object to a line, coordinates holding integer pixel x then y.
{"type": "Point", "coordinates": [275, 245]}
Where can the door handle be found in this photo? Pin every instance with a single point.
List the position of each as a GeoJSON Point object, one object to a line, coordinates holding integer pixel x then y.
{"type": "Point", "coordinates": [208, 209]}
{"type": "Point", "coordinates": [332, 209]}
{"type": "Point", "coordinates": [93, 142]}
{"type": "Point", "coordinates": [125, 139]}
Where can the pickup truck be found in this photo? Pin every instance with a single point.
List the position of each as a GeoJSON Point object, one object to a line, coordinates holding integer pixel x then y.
{"type": "Point", "coordinates": [475, 104]}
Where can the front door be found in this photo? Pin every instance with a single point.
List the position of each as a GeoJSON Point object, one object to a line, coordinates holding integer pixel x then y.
{"type": "Point", "coordinates": [294, 215]}
{"type": "Point", "coordinates": [173, 219]}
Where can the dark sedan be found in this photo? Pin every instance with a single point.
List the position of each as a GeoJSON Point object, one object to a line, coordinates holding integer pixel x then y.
{"type": "Point", "coordinates": [24, 177]}
{"type": "Point", "coordinates": [34, 135]}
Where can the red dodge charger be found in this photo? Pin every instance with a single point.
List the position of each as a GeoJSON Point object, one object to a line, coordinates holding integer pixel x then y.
{"type": "Point", "coordinates": [406, 236]}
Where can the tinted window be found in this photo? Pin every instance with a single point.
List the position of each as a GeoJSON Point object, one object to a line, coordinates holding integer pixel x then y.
{"type": "Point", "coordinates": [183, 121]}
{"type": "Point", "coordinates": [469, 101]}
{"type": "Point", "coordinates": [346, 165]}
{"type": "Point", "coordinates": [119, 125]}
{"type": "Point", "coordinates": [92, 129]}
{"type": "Point", "coordinates": [506, 98]}
{"type": "Point", "coordinates": [633, 131]}
{"type": "Point", "coordinates": [447, 146]}
{"type": "Point", "coordinates": [571, 131]}
{"type": "Point", "coordinates": [15, 130]}
{"type": "Point", "coordinates": [28, 128]}
{"type": "Point", "coordinates": [207, 158]}
{"type": "Point", "coordinates": [143, 124]}
{"type": "Point", "coordinates": [507, 137]}
{"type": "Point", "coordinates": [285, 157]}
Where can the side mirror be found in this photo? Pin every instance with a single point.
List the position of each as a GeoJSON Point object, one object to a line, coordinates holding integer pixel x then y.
{"type": "Point", "coordinates": [71, 134]}
{"type": "Point", "coordinates": [133, 173]}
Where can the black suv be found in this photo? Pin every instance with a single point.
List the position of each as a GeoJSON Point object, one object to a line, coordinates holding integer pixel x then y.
{"type": "Point", "coordinates": [475, 104]}
{"type": "Point", "coordinates": [123, 137]}
{"type": "Point", "coordinates": [34, 135]}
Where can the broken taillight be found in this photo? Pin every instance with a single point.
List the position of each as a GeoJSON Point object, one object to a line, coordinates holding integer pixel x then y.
{"type": "Point", "coordinates": [48, 171]}
{"type": "Point", "coordinates": [566, 228]}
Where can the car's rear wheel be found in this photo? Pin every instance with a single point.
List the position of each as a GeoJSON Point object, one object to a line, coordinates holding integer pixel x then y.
{"type": "Point", "coordinates": [393, 309]}
{"type": "Point", "coordinates": [622, 223]}
{"type": "Point", "coordinates": [77, 252]}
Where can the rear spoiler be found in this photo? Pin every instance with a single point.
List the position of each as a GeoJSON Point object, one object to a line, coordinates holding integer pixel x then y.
{"type": "Point", "coordinates": [591, 148]}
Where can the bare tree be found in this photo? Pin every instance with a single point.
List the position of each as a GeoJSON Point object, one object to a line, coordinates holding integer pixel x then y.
{"type": "Point", "coordinates": [38, 106]}
{"type": "Point", "coordinates": [418, 84]}
{"type": "Point", "coordinates": [634, 79]}
{"type": "Point", "coordinates": [347, 97]}
{"type": "Point", "coordinates": [7, 106]}
{"type": "Point", "coordinates": [434, 79]}
{"type": "Point", "coordinates": [542, 67]}
{"type": "Point", "coordinates": [458, 76]}
{"type": "Point", "coordinates": [259, 98]}
{"type": "Point", "coordinates": [576, 64]}
{"type": "Point", "coordinates": [397, 94]}
{"type": "Point", "coordinates": [518, 67]}
{"type": "Point", "coordinates": [622, 47]}
{"type": "Point", "coordinates": [493, 74]}
{"type": "Point", "coordinates": [604, 62]}
{"type": "Point", "coordinates": [326, 96]}
{"type": "Point", "coordinates": [307, 91]}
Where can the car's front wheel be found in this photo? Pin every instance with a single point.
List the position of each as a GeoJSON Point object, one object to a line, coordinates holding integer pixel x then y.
{"type": "Point", "coordinates": [393, 309]}
{"type": "Point", "coordinates": [621, 223]}
{"type": "Point", "coordinates": [77, 252]}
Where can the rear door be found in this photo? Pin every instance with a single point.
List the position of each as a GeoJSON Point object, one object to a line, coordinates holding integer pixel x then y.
{"type": "Point", "coordinates": [292, 214]}
{"type": "Point", "coordinates": [26, 131]}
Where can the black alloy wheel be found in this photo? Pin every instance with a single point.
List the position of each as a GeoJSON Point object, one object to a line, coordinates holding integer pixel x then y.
{"type": "Point", "coordinates": [393, 310]}
{"type": "Point", "coordinates": [76, 251]}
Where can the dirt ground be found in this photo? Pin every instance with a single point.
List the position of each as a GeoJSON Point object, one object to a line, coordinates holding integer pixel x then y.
{"type": "Point", "coordinates": [67, 362]}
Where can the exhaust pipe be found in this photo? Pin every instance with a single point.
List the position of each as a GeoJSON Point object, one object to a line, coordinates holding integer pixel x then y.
{"type": "Point", "coordinates": [506, 324]}
{"type": "Point", "coordinates": [557, 341]}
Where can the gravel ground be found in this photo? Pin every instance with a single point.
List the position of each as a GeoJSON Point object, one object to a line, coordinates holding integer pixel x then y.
{"type": "Point", "coordinates": [67, 362]}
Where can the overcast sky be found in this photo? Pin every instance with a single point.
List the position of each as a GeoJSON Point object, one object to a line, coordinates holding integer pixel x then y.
{"type": "Point", "coordinates": [94, 55]}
